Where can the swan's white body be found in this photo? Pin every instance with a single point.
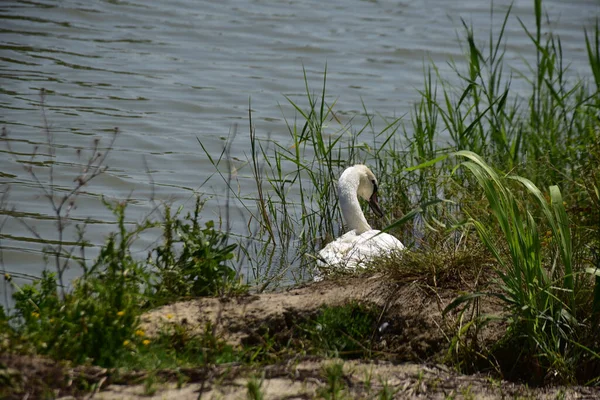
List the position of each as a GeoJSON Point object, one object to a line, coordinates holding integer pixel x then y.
{"type": "Point", "coordinates": [360, 244]}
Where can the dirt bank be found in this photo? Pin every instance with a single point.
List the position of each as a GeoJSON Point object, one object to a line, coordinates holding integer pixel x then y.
{"type": "Point", "coordinates": [410, 343]}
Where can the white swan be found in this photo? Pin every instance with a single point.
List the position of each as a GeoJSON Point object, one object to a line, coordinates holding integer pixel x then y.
{"type": "Point", "coordinates": [360, 244]}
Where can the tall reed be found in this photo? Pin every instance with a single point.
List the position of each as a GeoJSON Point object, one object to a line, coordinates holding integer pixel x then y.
{"type": "Point", "coordinates": [539, 294]}
{"type": "Point", "coordinates": [540, 130]}
{"type": "Point", "coordinates": [296, 212]}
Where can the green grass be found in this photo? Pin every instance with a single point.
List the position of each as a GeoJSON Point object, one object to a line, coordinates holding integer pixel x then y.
{"type": "Point", "coordinates": [177, 346]}
{"type": "Point", "coordinates": [334, 388]}
{"type": "Point", "coordinates": [254, 386]}
{"type": "Point", "coordinates": [538, 293]}
{"type": "Point", "coordinates": [342, 331]}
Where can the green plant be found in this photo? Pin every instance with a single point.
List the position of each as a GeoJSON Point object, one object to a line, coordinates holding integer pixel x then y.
{"type": "Point", "coordinates": [539, 294]}
{"type": "Point", "coordinates": [419, 385]}
{"type": "Point", "coordinates": [334, 374]}
{"type": "Point", "coordinates": [99, 317]}
{"type": "Point", "coordinates": [150, 384]}
{"type": "Point", "coordinates": [200, 267]}
{"type": "Point", "coordinates": [254, 386]}
{"type": "Point", "coordinates": [178, 346]}
{"type": "Point", "coordinates": [343, 330]}
{"type": "Point", "coordinates": [467, 392]}
{"type": "Point", "coordinates": [386, 392]}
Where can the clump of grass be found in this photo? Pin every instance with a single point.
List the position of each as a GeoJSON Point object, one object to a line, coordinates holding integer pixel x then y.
{"type": "Point", "coordinates": [334, 375]}
{"type": "Point", "coordinates": [254, 386]}
{"type": "Point", "coordinates": [442, 261]}
{"type": "Point", "coordinates": [344, 331]}
{"type": "Point", "coordinates": [200, 267]}
{"type": "Point", "coordinates": [387, 392]}
{"type": "Point", "coordinates": [177, 346]}
{"type": "Point", "coordinates": [539, 295]}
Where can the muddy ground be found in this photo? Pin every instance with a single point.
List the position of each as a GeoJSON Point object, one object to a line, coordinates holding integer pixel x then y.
{"type": "Point", "coordinates": [410, 344]}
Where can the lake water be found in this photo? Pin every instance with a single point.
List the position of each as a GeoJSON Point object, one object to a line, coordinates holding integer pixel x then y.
{"type": "Point", "coordinates": [170, 73]}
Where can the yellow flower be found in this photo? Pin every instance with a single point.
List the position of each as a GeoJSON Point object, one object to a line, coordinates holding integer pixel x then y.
{"type": "Point", "coordinates": [146, 342]}
{"type": "Point", "coordinates": [139, 332]}
{"type": "Point", "coordinates": [169, 316]}
{"type": "Point", "coordinates": [120, 313]}
{"type": "Point", "coordinates": [35, 314]}
{"type": "Point", "coordinates": [126, 343]}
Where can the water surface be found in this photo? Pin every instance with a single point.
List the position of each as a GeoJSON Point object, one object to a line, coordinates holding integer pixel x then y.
{"type": "Point", "coordinates": [172, 73]}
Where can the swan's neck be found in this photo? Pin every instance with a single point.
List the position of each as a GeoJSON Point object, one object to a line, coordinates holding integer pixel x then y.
{"type": "Point", "coordinates": [348, 195]}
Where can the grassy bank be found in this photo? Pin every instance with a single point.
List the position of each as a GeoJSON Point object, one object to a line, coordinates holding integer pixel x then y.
{"type": "Point", "coordinates": [495, 192]}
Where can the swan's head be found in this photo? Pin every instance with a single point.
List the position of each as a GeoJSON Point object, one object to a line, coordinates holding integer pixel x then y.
{"type": "Point", "coordinates": [367, 187]}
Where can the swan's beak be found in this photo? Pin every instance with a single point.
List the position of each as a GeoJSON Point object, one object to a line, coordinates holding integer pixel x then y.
{"type": "Point", "coordinates": [374, 204]}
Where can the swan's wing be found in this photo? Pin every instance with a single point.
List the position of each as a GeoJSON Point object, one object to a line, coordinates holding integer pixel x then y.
{"type": "Point", "coordinates": [336, 252]}
{"type": "Point", "coordinates": [351, 251]}
{"type": "Point", "coordinates": [375, 243]}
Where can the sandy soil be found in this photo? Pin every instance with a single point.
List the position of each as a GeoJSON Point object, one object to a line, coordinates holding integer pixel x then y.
{"type": "Point", "coordinates": [361, 381]}
{"type": "Point", "coordinates": [411, 313]}
{"type": "Point", "coordinates": [415, 335]}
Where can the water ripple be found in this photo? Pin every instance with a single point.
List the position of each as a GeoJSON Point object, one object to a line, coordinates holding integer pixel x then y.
{"type": "Point", "coordinates": [172, 72]}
